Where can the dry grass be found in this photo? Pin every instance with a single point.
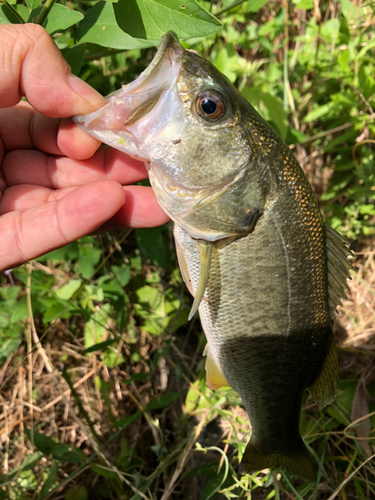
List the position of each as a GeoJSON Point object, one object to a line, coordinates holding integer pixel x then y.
{"type": "Point", "coordinates": [35, 395]}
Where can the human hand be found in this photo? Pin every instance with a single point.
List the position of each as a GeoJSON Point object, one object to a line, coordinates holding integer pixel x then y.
{"type": "Point", "coordinates": [55, 186]}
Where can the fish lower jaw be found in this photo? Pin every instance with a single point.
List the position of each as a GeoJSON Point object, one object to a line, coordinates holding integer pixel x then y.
{"type": "Point", "coordinates": [180, 204]}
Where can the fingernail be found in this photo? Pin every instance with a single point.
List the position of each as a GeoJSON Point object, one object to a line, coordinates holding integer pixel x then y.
{"type": "Point", "coordinates": [84, 90]}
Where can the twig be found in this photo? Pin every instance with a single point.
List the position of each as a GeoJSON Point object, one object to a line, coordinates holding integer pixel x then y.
{"type": "Point", "coordinates": [230, 7]}
{"type": "Point", "coordinates": [225, 451]}
{"type": "Point", "coordinates": [6, 457]}
{"type": "Point", "coordinates": [339, 488]}
{"type": "Point", "coordinates": [77, 384]}
{"type": "Point", "coordinates": [30, 351]}
{"type": "Point", "coordinates": [45, 11]}
{"type": "Point", "coordinates": [322, 134]}
{"type": "Point", "coordinates": [13, 10]}
{"type": "Point", "coordinates": [184, 456]}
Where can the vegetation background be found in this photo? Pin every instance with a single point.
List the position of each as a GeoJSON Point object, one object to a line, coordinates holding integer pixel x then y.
{"type": "Point", "coordinates": [103, 392]}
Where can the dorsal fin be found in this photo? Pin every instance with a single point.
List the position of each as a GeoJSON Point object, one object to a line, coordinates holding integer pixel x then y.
{"type": "Point", "coordinates": [339, 265]}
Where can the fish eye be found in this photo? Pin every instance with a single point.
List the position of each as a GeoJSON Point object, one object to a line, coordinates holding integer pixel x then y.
{"type": "Point", "coordinates": [210, 106]}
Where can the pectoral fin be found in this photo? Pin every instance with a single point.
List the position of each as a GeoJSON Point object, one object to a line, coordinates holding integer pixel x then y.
{"type": "Point", "coordinates": [183, 268]}
{"type": "Point", "coordinates": [214, 377]}
{"type": "Point", "coordinates": [205, 251]}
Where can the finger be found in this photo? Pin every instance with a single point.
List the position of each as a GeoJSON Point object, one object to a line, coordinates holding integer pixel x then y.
{"type": "Point", "coordinates": [33, 67]}
{"type": "Point", "coordinates": [35, 167]}
{"type": "Point", "coordinates": [21, 127]}
{"type": "Point", "coordinates": [31, 233]}
{"type": "Point", "coordinates": [140, 210]}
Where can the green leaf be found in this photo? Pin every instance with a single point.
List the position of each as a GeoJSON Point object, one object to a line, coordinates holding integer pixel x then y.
{"type": "Point", "coordinates": [122, 273]}
{"type": "Point", "coordinates": [275, 109]}
{"type": "Point", "coordinates": [351, 11]}
{"type": "Point", "coordinates": [59, 309]}
{"type": "Point", "coordinates": [126, 421]}
{"type": "Point", "coordinates": [304, 4]}
{"type": "Point", "coordinates": [164, 400]}
{"type": "Point", "coordinates": [7, 16]}
{"type": "Point", "coordinates": [151, 244]}
{"type": "Point", "coordinates": [277, 113]}
{"type": "Point", "coordinates": [50, 480]}
{"type": "Point", "coordinates": [60, 18]}
{"type": "Point", "coordinates": [67, 253]}
{"type": "Point", "coordinates": [74, 57]}
{"type": "Point", "coordinates": [32, 4]}
{"type": "Point", "coordinates": [99, 346]}
{"type": "Point", "coordinates": [78, 494]}
{"type": "Point", "coordinates": [151, 19]}
{"type": "Point", "coordinates": [10, 292]}
{"type": "Point", "coordinates": [103, 471]}
{"type": "Point", "coordinates": [112, 358]}
{"type": "Point", "coordinates": [319, 112]}
{"type": "Point", "coordinates": [99, 26]}
{"type": "Point", "coordinates": [88, 258]}
{"type": "Point", "coordinates": [255, 5]}
{"type": "Point", "coordinates": [67, 291]}
{"type": "Point", "coordinates": [10, 339]}
{"type": "Point", "coordinates": [96, 326]}
{"type": "Point", "coordinates": [59, 451]}
{"type": "Point", "coordinates": [226, 62]}
{"type": "Point", "coordinates": [20, 311]}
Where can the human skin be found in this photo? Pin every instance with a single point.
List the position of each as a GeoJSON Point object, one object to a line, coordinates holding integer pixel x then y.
{"type": "Point", "coordinates": [55, 184]}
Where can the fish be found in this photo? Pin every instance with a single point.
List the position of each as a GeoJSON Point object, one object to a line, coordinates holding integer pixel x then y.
{"type": "Point", "coordinates": [265, 271]}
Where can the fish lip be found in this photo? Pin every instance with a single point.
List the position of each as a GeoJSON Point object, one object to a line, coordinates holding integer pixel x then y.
{"type": "Point", "coordinates": [135, 99]}
{"type": "Point", "coordinates": [167, 41]}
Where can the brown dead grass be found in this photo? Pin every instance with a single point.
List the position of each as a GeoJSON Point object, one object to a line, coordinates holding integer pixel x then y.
{"type": "Point", "coordinates": [35, 395]}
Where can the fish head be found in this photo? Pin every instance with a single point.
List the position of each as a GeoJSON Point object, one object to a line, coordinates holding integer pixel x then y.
{"type": "Point", "coordinates": [184, 119]}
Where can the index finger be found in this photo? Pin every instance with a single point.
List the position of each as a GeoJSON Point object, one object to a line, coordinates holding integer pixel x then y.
{"type": "Point", "coordinates": [32, 66]}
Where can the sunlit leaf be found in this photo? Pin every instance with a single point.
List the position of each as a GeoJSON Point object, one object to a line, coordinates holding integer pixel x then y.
{"type": "Point", "coordinates": [60, 18]}
{"type": "Point", "coordinates": [151, 19]}
{"type": "Point", "coordinates": [67, 291]}
{"type": "Point", "coordinates": [99, 26]}
{"type": "Point", "coordinates": [255, 5]}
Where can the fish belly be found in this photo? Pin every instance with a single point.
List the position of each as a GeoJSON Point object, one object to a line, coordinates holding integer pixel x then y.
{"type": "Point", "coordinates": [265, 317]}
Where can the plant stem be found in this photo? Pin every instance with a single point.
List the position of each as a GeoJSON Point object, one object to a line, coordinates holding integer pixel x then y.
{"type": "Point", "coordinates": [45, 11]}
{"type": "Point", "coordinates": [11, 8]}
{"type": "Point", "coordinates": [235, 4]}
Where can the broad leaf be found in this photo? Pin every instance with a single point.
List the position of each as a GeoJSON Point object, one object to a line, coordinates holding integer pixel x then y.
{"type": "Point", "coordinates": [255, 5]}
{"type": "Point", "coordinates": [152, 245]}
{"type": "Point", "coordinates": [164, 400]}
{"type": "Point", "coordinates": [32, 4]}
{"type": "Point", "coordinates": [60, 18]}
{"type": "Point", "coordinates": [50, 480]}
{"type": "Point", "coordinates": [151, 19]}
{"type": "Point", "coordinates": [99, 26]}
{"type": "Point", "coordinates": [74, 57]}
{"type": "Point", "coordinates": [351, 12]}
{"type": "Point", "coordinates": [67, 291]}
{"type": "Point", "coordinates": [7, 16]}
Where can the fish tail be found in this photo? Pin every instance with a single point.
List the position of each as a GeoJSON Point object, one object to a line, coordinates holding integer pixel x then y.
{"type": "Point", "coordinates": [300, 462]}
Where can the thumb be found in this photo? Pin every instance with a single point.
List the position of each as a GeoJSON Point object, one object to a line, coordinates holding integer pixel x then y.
{"type": "Point", "coordinates": [33, 67]}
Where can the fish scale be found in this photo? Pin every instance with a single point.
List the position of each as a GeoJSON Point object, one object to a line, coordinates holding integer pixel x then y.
{"type": "Point", "coordinates": [264, 269]}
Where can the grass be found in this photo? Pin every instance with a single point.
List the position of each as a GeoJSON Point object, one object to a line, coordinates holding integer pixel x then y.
{"type": "Point", "coordinates": [74, 425]}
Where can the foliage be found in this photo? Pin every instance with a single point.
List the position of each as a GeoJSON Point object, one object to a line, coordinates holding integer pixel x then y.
{"type": "Point", "coordinates": [115, 305]}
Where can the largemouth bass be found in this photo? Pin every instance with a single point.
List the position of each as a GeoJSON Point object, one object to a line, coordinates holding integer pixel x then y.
{"type": "Point", "coordinates": [264, 269]}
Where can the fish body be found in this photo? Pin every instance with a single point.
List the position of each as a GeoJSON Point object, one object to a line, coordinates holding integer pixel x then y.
{"type": "Point", "coordinates": [265, 270]}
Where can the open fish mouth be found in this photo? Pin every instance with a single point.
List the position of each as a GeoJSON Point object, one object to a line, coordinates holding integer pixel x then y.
{"type": "Point", "coordinates": [112, 124]}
